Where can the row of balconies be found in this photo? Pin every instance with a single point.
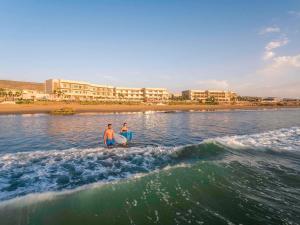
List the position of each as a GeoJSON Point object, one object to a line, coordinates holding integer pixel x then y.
{"type": "Point", "coordinates": [83, 93]}
{"type": "Point", "coordinates": [117, 91]}
{"type": "Point", "coordinates": [82, 87]}
{"type": "Point", "coordinates": [88, 87]}
{"type": "Point", "coordinates": [110, 92]}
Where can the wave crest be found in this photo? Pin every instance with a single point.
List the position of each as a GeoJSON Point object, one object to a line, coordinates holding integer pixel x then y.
{"type": "Point", "coordinates": [285, 139]}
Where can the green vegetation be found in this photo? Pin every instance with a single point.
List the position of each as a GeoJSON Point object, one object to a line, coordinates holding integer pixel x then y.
{"type": "Point", "coordinates": [59, 93]}
{"type": "Point", "coordinates": [178, 98]}
{"type": "Point", "coordinates": [24, 101]}
{"type": "Point", "coordinates": [249, 99]}
{"type": "Point", "coordinates": [63, 111]}
{"type": "Point", "coordinates": [2, 92]}
{"type": "Point", "coordinates": [10, 95]}
{"type": "Point", "coordinates": [211, 101]}
{"type": "Point", "coordinates": [182, 103]}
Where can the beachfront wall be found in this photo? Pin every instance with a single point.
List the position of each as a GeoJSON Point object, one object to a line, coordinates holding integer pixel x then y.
{"type": "Point", "coordinates": [79, 90]}
{"type": "Point", "coordinates": [205, 95]}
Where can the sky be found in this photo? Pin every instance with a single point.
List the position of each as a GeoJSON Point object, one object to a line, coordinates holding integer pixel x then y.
{"type": "Point", "coordinates": [251, 47]}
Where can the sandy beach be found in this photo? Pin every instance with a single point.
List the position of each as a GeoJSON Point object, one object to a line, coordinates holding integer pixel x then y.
{"type": "Point", "coordinates": [48, 108]}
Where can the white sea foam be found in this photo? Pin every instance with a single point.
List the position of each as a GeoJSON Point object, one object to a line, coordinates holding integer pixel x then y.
{"type": "Point", "coordinates": [285, 139]}
{"type": "Point", "coordinates": [42, 171]}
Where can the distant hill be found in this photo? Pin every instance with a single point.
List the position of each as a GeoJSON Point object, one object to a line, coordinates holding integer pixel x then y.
{"type": "Point", "coordinates": [21, 85]}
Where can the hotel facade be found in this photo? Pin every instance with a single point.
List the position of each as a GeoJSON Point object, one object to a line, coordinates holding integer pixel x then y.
{"type": "Point", "coordinates": [79, 90]}
{"type": "Point", "coordinates": [204, 95]}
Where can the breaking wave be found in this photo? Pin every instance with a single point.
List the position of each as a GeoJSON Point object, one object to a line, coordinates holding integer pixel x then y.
{"type": "Point", "coordinates": [25, 173]}
{"type": "Point", "coordinates": [285, 139]}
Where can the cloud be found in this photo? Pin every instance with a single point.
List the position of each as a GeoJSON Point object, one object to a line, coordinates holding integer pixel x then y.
{"type": "Point", "coordinates": [269, 53]}
{"type": "Point", "coordinates": [213, 84]}
{"type": "Point", "coordinates": [281, 66]}
{"type": "Point", "coordinates": [280, 74]}
{"type": "Point", "coordinates": [287, 61]}
{"type": "Point", "coordinates": [276, 44]}
{"type": "Point", "coordinates": [294, 13]}
{"type": "Point", "coordinates": [279, 77]}
{"type": "Point", "coordinates": [267, 30]}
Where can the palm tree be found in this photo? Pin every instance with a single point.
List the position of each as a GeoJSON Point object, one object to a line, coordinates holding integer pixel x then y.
{"type": "Point", "coordinates": [10, 94]}
{"type": "Point", "coordinates": [2, 92]}
{"type": "Point", "coordinates": [210, 100]}
{"type": "Point", "coordinates": [18, 93]}
{"type": "Point", "coordinates": [233, 99]}
{"type": "Point", "coordinates": [59, 93]}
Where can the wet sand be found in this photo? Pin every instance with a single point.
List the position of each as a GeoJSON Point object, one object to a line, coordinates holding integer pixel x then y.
{"type": "Point", "coordinates": [106, 108]}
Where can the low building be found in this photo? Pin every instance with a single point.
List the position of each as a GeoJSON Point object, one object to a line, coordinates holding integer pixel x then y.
{"type": "Point", "coordinates": [271, 99]}
{"type": "Point", "coordinates": [80, 90]}
{"type": "Point", "coordinates": [291, 100]}
{"type": "Point", "coordinates": [205, 95]}
{"type": "Point", "coordinates": [249, 99]}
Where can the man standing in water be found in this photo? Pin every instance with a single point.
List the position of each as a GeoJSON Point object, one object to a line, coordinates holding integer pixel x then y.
{"type": "Point", "coordinates": [109, 136]}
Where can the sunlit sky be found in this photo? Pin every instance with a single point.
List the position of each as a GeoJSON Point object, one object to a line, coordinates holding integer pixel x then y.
{"type": "Point", "coordinates": [252, 47]}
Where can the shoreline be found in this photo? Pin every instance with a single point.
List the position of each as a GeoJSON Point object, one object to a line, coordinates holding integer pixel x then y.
{"type": "Point", "coordinates": [49, 108]}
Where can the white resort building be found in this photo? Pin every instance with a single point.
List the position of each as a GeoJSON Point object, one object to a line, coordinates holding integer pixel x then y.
{"type": "Point", "coordinates": [204, 95]}
{"type": "Point", "coordinates": [79, 90]}
{"type": "Point", "coordinates": [129, 93]}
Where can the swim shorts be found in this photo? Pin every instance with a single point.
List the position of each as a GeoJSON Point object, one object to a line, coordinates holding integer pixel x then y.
{"type": "Point", "coordinates": [110, 142]}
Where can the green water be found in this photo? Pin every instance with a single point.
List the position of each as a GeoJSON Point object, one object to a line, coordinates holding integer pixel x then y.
{"type": "Point", "coordinates": [202, 193]}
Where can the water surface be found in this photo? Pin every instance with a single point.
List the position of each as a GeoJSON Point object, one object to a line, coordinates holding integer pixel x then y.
{"type": "Point", "coordinates": [231, 167]}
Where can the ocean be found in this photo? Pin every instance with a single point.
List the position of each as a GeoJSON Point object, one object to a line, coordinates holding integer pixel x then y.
{"type": "Point", "coordinates": [219, 167]}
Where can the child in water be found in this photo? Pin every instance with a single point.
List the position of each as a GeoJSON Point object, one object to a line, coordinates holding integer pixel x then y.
{"type": "Point", "coordinates": [125, 132]}
{"type": "Point", "coordinates": [109, 136]}
{"type": "Point", "coordinates": [124, 128]}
